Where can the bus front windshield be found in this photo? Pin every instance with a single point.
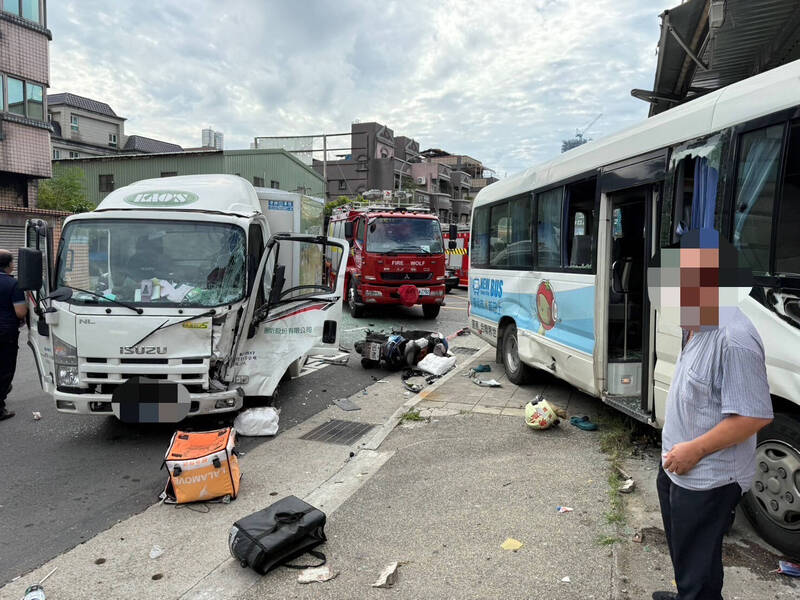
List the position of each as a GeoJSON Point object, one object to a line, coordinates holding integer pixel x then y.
{"type": "Point", "coordinates": [153, 262]}
{"type": "Point", "coordinates": [404, 235]}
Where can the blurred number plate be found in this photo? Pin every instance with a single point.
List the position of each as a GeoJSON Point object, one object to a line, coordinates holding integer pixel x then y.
{"type": "Point", "coordinates": [424, 291]}
{"type": "Point", "coordinates": [374, 351]}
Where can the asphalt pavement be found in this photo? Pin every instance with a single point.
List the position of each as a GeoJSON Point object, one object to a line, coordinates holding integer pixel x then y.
{"type": "Point", "coordinates": [67, 478]}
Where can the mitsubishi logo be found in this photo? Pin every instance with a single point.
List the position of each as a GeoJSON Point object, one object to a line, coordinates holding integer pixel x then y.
{"type": "Point", "coordinates": [407, 276]}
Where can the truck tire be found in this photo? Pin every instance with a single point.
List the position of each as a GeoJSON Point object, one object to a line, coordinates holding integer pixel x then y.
{"type": "Point", "coordinates": [773, 503]}
{"type": "Point", "coordinates": [517, 372]}
{"type": "Point", "coordinates": [431, 311]}
{"type": "Point", "coordinates": [356, 308]}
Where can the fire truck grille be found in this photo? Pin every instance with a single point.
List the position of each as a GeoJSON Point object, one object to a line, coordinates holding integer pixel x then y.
{"type": "Point", "coordinates": [406, 276]}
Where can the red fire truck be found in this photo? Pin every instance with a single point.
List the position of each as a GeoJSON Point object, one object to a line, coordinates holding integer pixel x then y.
{"type": "Point", "coordinates": [396, 257]}
{"type": "Point", "coordinates": [457, 258]}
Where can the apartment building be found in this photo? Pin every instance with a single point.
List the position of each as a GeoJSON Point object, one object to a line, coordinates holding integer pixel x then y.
{"type": "Point", "coordinates": [84, 127]}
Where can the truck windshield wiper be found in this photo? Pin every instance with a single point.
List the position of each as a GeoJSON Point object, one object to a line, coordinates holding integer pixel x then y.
{"type": "Point", "coordinates": [405, 249]}
{"type": "Point", "coordinates": [208, 313]}
{"type": "Point", "coordinates": [136, 309]}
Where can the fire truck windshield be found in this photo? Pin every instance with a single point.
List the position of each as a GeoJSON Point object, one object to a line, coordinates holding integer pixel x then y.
{"type": "Point", "coordinates": [404, 235]}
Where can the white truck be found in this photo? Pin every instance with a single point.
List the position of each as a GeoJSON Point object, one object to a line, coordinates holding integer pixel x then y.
{"type": "Point", "coordinates": [175, 298]}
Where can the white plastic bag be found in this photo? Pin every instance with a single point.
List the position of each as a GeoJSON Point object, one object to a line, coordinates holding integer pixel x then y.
{"type": "Point", "coordinates": [262, 420]}
{"type": "Point", "coordinates": [436, 365]}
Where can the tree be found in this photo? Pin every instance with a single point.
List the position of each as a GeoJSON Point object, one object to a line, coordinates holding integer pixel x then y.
{"type": "Point", "coordinates": [340, 201]}
{"type": "Point", "coordinates": [65, 191]}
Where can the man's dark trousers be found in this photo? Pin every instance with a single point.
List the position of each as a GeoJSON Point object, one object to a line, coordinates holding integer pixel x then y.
{"type": "Point", "coordinates": [9, 345]}
{"type": "Point", "coordinates": [695, 523]}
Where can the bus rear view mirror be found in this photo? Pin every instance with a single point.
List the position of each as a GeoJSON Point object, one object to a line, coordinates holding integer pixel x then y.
{"type": "Point", "coordinates": [452, 245]}
{"type": "Point", "coordinates": [453, 233]}
{"type": "Point", "coordinates": [29, 269]}
{"type": "Point", "coordinates": [348, 230]}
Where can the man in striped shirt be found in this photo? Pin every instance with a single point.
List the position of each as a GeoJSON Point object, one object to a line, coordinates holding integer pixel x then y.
{"type": "Point", "coordinates": [718, 400]}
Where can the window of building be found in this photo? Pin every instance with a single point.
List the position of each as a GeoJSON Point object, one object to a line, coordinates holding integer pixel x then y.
{"type": "Point", "coordinates": [106, 183]}
{"type": "Point", "coordinates": [548, 231]}
{"type": "Point", "coordinates": [56, 154]}
{"type": "Point", "coordinates": [112, 140]}
{"type": "Point", "coordinates": [73, 122]}
{"type": "Point", "coordinates": [169, 173]}
{"type": "Point", "coordinates": [35, 101]}
{"type": "Point", "coordinates": [11, 6]}
{"type": "Point", "coordinates": [342, 184]}
{"type": "Point", "coordinates": [258, 181]}
{"type": "Point", "coordinates": [16, 96]}
{"type": "Point", "coordinates": [274, 184]}
{"type": "Point", "coordinates": [756, 184]}
{"type": "Point", "coordinates": [28, 9]}
{"type": "Point", "coordinates": [74, 154]}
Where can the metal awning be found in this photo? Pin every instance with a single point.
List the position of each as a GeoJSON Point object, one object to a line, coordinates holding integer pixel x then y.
{"type": "Point", "coordinates": [709, 44]}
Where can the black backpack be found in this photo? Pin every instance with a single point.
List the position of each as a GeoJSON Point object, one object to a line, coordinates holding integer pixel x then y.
{"type": "Point", "coordinates": [277, 534]}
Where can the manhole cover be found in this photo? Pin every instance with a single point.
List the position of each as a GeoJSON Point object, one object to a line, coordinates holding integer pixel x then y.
{"type": "Point", "coordinates": [462, 350]}
{"type": "Point", "coordinates": [338, 432]}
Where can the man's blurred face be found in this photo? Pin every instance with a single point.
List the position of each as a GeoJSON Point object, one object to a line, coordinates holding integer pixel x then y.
{"type": "Point", "coordinates": [699, 273]}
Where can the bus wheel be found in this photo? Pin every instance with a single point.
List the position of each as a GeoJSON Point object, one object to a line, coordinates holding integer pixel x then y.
{"type": "Point", "coordinates": [356, 308]}
{"type": "Point", "coordinates": [430, 311]}
{"type": "Point", "coordinates": [518, 372]}
{"type": "Point", "coordinates": [773, 503]}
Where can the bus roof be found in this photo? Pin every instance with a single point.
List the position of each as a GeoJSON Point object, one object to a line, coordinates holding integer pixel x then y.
{"type": "Point", "coordinates": [760, 95]}
{"type": "Point", "coordinates": [227, 194]}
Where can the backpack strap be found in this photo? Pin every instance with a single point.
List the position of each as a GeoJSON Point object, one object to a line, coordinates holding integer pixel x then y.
{"type": "Point", "coordinates": [316, 554]}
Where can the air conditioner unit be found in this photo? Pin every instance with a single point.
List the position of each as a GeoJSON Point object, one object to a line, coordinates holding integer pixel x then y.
{"type": "Point", "coordinates": [421, 180]}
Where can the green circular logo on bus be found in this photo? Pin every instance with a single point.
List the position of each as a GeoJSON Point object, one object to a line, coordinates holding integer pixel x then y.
{"type": "Point", "coordinates": [159, 198]}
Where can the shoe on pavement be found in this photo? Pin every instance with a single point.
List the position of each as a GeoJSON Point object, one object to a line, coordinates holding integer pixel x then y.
{"type": "Point", "coordinates": [6, 414]}
{"type": "Point", "coordinates": [665, 596]}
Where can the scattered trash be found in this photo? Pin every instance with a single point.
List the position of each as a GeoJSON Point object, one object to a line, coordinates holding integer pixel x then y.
{"type": "Point", "coordinates": [583, 422]}
{"type": "Point", "coordinates": [364, 393]}
{"type": "Point", "coordinates": [460, 332]}
{"type": "Point", "coordinates": [437, 365]}
{"type": "Point", "coordinates": [566, 579]}
{"type": "Point", "coordinates": [37, 415]}
{"type": "Point", "coordinates": [316, 574]}
{"type": "Point", "coordinates": [787, 568]}
{"type": "Point", "coordinates": [346, 404]}
{"type": "Point", "coordinates": [511, 544]}
{"type": "Point", "coordinates": [36, 591]}
{"type": "Point", "coordinates": [388, 576]}
{"type": "Point", "coordinates": [627, 487]}
{"type": "Point", "coordinates": [486, 382]}
{"type": "Point", "coordinates": [564, 509]}
{"type": "Point", "coordinates": [262, 420]}
{"type": "Point", "coordinates": [540, 414]}
{"type": "Point", "coordinates": [638, 537]}
{"type": "Point", "coordinates": [482, 368]}
{"type": "Point", "coordinates": [341, 359]}
{"type": "Point", "coordinates": [156, 551]}
{"type": "Point", "coordinates": [406, 394]}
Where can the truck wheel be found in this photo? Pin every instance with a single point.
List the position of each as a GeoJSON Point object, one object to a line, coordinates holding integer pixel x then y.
{"type": "Point", "coordinates": [430, 311]}
{"type": "Point", "coordinates": [773, 503]}
{"type": "Point", "coordinates": [517, 372]}
{"type": "Point", "coordinates": [356, 308]}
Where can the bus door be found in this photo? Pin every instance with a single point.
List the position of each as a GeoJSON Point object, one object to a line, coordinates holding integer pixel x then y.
{"type": "Point", "coordinates": [631, 214]}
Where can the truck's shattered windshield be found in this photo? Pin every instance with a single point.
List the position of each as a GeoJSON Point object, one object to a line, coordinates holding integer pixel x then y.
{"type": "Point", "coordinates": [147, 262]}
{"type": "Point", "coordinates": [404, 235]}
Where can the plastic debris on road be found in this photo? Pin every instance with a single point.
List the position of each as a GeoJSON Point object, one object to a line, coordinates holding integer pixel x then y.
{"type": "Point", "coordinates": [436, 365]}
{"type": "Point", "coordinates": [566, 579]}
{"type": "Point", "coordinates": [486, 382]}
{"type": "Point", "coordinates": [628, 486]}
{"type": "Point", "coordinates": [156, 551]}
{"type": "Point", "coordinates": [638, 537]}
{"type": "Point", "coordinates": [788, 568]}
{"type": "Point", "coordinates": [262, 420]}
{"type": "Point", "coordinates": [388, 576]}
{"type": "Point", "coordinates": [511, 544]}
{"type": "Point", "coordinates": [564, 509]}
{"type": "Point", "coordinates": [316, 574]}
{"type": "Point", "coordinates": [346, 404]}
{"type": "Point", "coordinates": [37, 415]}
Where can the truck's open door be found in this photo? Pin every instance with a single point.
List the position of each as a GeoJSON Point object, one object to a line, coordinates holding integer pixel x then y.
{"type": "Point", "coordinates": [290, 316]}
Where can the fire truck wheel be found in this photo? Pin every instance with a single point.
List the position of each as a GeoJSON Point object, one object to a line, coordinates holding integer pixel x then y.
{"type": "Point", "coordinates": [430, 311]}
{"type": "Point", "coordinates": [356, 308]}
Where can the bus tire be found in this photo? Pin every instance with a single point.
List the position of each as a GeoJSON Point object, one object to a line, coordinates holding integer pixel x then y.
{"type": "Point", "coordinates": [767, 504]}
{"type": "Point", "coordinates": [517, 371]}
{"type": "Point", "coordinates": [356, 308]}
{"type": "Point", "coordinates": [430, 311]}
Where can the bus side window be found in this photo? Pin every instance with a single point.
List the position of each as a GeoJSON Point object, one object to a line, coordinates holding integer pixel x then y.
{"type": "Point", "coordinates": [684, 194]}
{"type": "Point", "coordinates": [582, 231]}
{"type": "Point", "coordinates": [479, 252]}
{"type": "Point", "coordinates": [787, 248]}
{"type": "Point", "coordinates": [548, 228]}
{"type": "Point", "coordinates": [499, 235]}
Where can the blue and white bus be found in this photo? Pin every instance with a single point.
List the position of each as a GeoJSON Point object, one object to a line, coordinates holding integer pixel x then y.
{"type": "Point", "coordinates": [559, 254]}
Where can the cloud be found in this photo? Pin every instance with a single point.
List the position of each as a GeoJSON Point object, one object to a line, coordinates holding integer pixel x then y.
{"type": "Point", "coordinates": [504, 82]}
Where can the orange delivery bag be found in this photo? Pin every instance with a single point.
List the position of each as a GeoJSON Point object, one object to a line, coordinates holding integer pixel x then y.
{"type": "Point", "coordinates": [202, 466]}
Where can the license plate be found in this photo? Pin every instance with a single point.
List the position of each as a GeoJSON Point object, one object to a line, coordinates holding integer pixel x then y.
{"type": "Point", "coordinates": [374, 351]}
{"type": "Point", "coordinates": [424, 291]}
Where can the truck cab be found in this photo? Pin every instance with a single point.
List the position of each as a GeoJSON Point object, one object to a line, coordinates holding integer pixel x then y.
{"type": "Point", "coordinates": [175, 298]}
{"type": "Point", "coordinates": [396, 257]}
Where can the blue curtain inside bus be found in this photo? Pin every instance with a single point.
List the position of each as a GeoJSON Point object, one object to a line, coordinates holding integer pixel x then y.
{"type": "Point", "coordinates": [704, 198]}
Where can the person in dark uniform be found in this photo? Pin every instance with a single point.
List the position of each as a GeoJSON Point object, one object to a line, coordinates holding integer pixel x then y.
{"type": "Point", "coordinates": [12, 310]}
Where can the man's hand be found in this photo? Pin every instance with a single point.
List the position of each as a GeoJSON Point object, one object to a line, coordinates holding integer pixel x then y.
{"type": "Point", "coordinates": [682, 457]}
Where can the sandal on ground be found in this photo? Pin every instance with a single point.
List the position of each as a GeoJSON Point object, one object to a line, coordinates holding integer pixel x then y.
{"type": "Point", "coordinates": [583, 422]}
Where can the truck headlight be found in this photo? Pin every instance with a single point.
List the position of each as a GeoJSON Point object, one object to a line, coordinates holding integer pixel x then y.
{"type": "Point", "coordinates": [64, 353]}
{"type": "Point", "coordinates": [67, 376]}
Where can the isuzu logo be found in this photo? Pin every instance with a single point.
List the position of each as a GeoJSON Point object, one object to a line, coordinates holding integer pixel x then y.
{"type": "Point", "coordinates": [407, 276]}
{"type": "Point", "coordinates": [142, 349]}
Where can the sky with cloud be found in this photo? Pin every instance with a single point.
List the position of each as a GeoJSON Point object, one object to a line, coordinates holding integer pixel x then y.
{"type": "Point", "coordinates": [504, 82]}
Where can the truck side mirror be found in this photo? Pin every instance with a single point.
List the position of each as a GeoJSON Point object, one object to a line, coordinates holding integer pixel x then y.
{"type": "Point", "coordinates": [278, 281]}
{"type": "Point", "coordinates": [452, 245]}
{"type": "Point", "coordinates": [453, 231]}
{"type": "Point", "coordinates": [348, 230]}
{"type": "Point", "coordinates": [29, 269]}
